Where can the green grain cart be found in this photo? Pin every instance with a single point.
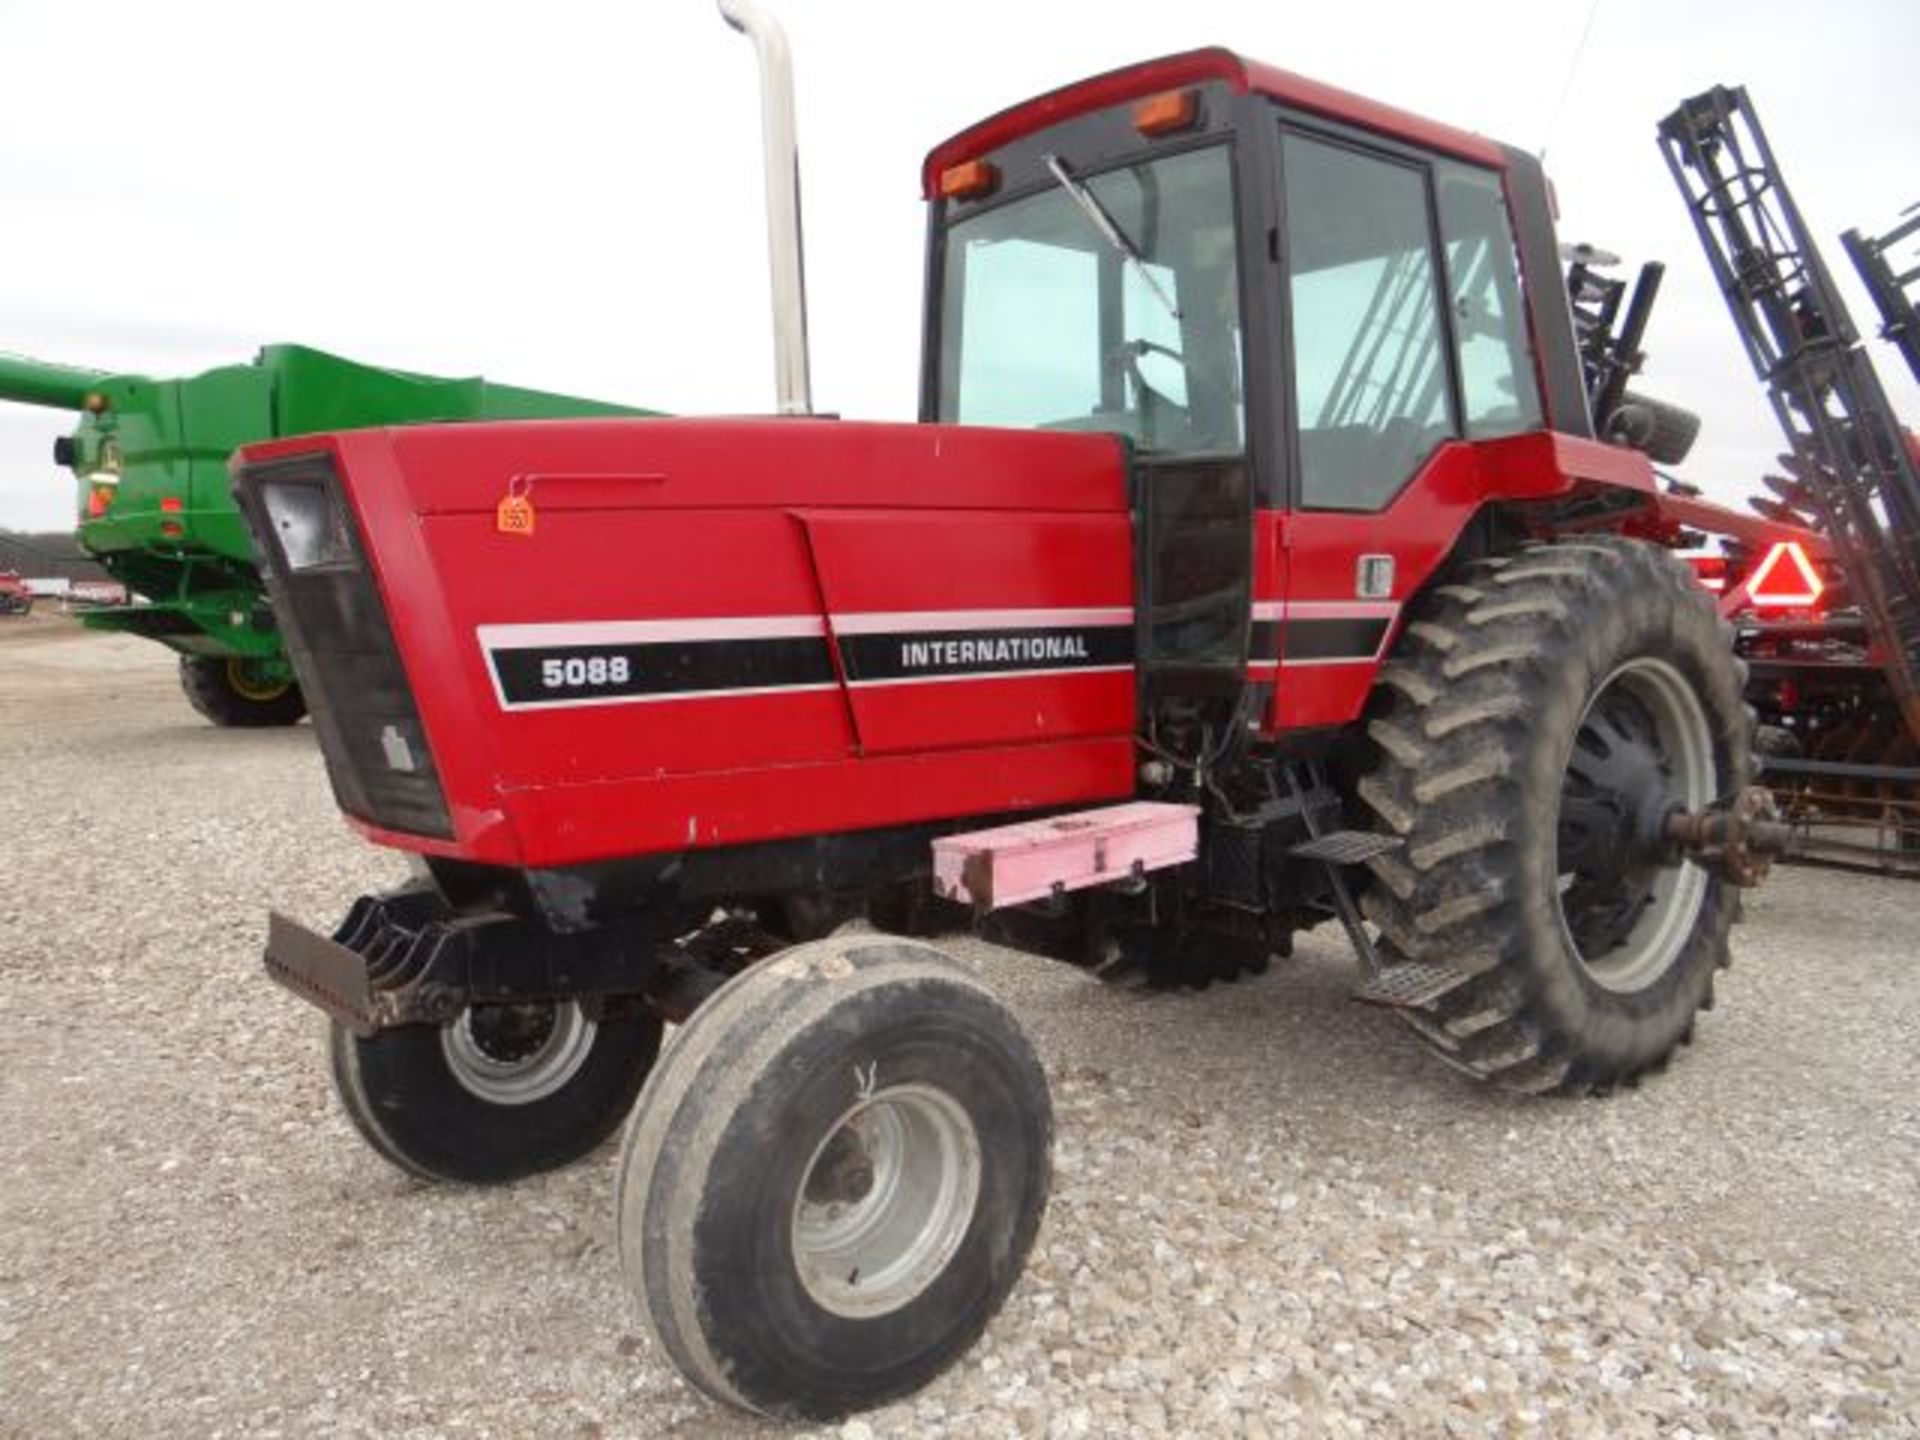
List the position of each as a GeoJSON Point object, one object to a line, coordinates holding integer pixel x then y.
{"type": "Point", "coordinates": [150, 461]}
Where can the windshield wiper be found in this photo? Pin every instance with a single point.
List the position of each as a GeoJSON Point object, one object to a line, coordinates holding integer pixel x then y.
{"type": "Point", "coordinates": [1108, 227]}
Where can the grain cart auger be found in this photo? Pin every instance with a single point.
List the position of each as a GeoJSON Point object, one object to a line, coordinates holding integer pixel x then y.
{"type": "Point", "coordinates": [149, 460]}
{"type": "Point", "coordinates": [1253, 565]}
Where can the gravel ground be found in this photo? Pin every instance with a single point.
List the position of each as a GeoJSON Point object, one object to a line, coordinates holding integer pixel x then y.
{"type": "Point", "coordinates": [1274, 1214]}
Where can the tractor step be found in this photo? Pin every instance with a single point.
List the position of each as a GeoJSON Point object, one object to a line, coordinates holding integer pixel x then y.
{"type": "Point", "coordinates": [1410, 985]}
{"type": "Point", "coordinates": [1012, 864]}
{"type": "Point", "coordinates": [1344, 847]}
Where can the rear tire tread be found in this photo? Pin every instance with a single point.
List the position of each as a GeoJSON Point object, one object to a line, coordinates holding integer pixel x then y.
{"type": "Point", "coordinates": [1459, 799]}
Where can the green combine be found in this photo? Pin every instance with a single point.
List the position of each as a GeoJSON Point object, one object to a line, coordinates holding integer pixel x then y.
{"type": "Point", "coordinates": [150, 460]}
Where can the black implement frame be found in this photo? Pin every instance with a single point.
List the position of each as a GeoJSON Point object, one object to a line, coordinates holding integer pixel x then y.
{"type": "Point", "coordinates": [1892, 290]}
{"type": "Point", "coordinates": [1847, 445]}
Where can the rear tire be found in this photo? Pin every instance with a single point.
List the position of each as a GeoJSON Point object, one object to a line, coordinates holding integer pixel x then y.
{"type": "Point", "coordinates": [1539, 717]}
{"type": "Point", "coordinates": [232, 692]}
{"type": "Point", "coordinates": [834, 1177]}
{"type": "Point", "coordinates": [504, 1092]}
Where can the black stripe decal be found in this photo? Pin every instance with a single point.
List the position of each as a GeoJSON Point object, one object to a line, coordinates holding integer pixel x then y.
{"type": "Point", "coordinates": [530, 675]}
{"type": "Point", "coordinates": [1265, 645]}
{"type": "Point", "coordinates": [551, 674]}
{"type": "Point", "coordinates": [1332, 639]}
{"type": "Point", "coordinates": [933, 654]}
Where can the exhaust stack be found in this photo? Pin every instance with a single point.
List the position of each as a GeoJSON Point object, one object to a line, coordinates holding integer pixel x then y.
{"type": "Point", "coordinates": [792, 384]}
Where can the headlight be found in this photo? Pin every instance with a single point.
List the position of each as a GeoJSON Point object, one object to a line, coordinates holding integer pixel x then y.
{"type": "Point", "coordinates": [309, 527]}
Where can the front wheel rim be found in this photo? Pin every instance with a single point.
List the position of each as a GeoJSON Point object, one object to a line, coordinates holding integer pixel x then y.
{"type": "Point", "coordinates": [885, 1201]}
{"type": "Point", "coordinates": [517, 1054]}
{"type": "Point", "coordinates": [1648, 704]}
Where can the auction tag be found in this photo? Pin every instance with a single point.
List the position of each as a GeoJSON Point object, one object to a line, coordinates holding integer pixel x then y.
{"type": "Point", "coordinates": [514, 515]}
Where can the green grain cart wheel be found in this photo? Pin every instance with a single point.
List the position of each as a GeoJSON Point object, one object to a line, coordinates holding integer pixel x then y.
{"type": "Point", "coordinates": [242, 692]}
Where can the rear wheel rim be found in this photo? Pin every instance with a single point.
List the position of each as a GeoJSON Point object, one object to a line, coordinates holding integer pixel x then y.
{"type": "Point", "coordinates": [885, 1201]}
{"type": "Point", "coordinates": [517, 1054]}
{"type": "Point", "coordinates": [1627, 904]}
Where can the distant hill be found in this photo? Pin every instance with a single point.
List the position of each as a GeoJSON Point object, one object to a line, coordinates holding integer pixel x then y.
{"type": "Point", "coordinates": [47, 555]}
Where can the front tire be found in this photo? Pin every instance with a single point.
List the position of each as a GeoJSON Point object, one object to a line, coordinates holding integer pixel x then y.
{"type": "Point", "coordinates": [834, 1178]}
{"type": "Point", "coordinates": [1540, 719]}
{"type": "Point", "coordinates": [236, 692]}
{"type": "Point", "coordinates": [504, 1092]}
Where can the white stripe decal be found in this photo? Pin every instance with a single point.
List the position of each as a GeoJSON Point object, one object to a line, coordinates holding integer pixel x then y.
{"type": "Point", "coordinates": [666, 697]}
{"type": "Point", "coordinates": [651, 632]}
{"type": "Point", "coordinates": [1333, 660]}
{"type": "Point", "coordinates": [1325, 609]}
{"type": "Point", "coordinates": [988, 675]}
{"type": "Point", "coordinates": [870, 622]}
{"type": "Point", "coordinates": [1342, 609]}
{"type": "Point", "coordinates": [767, 627]}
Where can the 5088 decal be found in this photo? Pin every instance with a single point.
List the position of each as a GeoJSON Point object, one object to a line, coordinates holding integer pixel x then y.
{"type": "Point", "coordinates": [577, 670]}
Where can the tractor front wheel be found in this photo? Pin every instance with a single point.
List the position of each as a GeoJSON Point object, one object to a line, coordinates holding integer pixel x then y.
{"type": "Point", "coordinates": [834, 1177]}
{"type": "Point", "coordinates": [241, 692]}
{"type": "Point", "coordinates": [504, 1092]}
{"type": "Point", "coordinates": [1541, 719]}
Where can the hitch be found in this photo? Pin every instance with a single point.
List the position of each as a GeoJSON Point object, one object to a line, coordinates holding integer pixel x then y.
{"type": "Point", "coordinates": [1740, 838]}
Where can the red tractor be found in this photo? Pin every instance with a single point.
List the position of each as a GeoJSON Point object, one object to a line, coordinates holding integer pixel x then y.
{"type": "Point", "coordinates": [1254, 565]}
{"type": "Point", "coordinates": [15, 597]}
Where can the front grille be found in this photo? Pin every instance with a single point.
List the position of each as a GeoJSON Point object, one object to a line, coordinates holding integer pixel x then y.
{"type": "Point", "coordinates": [342, 648]}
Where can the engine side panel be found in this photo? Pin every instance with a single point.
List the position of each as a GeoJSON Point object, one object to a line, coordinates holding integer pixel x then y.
{"type": "Point", "coordinates": [967, 628]}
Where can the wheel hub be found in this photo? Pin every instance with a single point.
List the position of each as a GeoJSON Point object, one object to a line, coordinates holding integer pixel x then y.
{"type": "Point", "coordinates": [843, 1175]}
{"type": "Point", "coordinates": [1628, 894]}
{"type": "Point", "coordinates": [886, 1200]}
{"type": "Point", "coordinates": [1614, 803]}
{"type": "Point", "coordinates": [517, 1054]}
{"type": "Point", "coordinates": [508, 1034]}
{"type": "Point", "coordinates": [258, 680]}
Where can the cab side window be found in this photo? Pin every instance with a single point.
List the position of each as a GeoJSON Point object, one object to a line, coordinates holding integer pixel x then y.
{"type": "Point", "coordinates": [1370, 368]}
{"type": "Point", "coordinates": [1498, 391]}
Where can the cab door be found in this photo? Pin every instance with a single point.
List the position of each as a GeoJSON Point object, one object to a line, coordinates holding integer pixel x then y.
{"type": "Point", "coordinates": [1406, 335]}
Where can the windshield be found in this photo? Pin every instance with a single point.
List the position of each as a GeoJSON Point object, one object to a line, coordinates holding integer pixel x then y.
{"type": "Point", "coordinates": [1047, 324]}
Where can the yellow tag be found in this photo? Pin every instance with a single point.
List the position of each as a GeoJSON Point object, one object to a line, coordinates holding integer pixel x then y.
{"type": "Point", "coordinates": [514, 516]}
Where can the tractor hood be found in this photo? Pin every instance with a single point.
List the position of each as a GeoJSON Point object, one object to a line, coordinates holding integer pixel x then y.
{"type": "Point", "coordinates": [545, 643]}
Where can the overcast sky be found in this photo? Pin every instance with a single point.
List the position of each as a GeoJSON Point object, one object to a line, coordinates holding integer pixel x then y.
{"type": "Point", "coordinates": [567, 195]}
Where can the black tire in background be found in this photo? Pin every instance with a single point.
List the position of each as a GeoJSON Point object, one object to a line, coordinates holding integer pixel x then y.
{"type": "Point", "coordinates": [225, 691]}
{"type": "Point", "coordinates": [504, 1092]}
{"type": "Point", "coordinates": [1582, 964]}
{"type": "Point", "coordinates": [1662, 431]}
{"type": "Point", "coordinates": [834, 1177]}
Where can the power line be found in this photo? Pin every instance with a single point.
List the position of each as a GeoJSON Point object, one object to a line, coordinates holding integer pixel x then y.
{"type": "Point", "coordinates": [1573, 70]}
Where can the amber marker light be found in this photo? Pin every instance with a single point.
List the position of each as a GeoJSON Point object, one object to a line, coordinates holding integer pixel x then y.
{"type": "Point", "coordinates": [968, 180]}
{"type": "Point", "coordinates": [1165, 113]}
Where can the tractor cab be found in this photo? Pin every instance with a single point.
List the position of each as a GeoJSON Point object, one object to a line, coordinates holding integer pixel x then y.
{"type": "Point", "coordinates": [1290, 302]}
